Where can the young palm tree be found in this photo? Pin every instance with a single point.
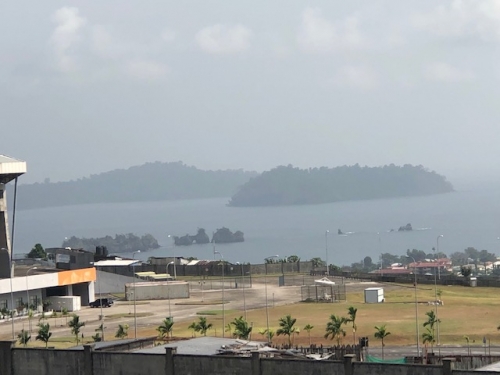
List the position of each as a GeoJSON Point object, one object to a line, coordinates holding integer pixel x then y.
{"type": "Point", "coordinates": [122, 331]}
{"type": "Point", "coordinates": [165, 328]}
{"type": "Point", "coordinates": [267, 334]}
{"type": "Point", "coordinates": [75, 326]}
{"type": "Point", "coordinates": [241, 328]}
{"type": "Point", "coordinates": [334, 328]}
{"type": "Point", "coordinates": [287, 327]}
{"type": "Point", "coordinates": [428, 337]}
{"type": "Point", "coordinates": [203, 326]}
{"type": "Point", "coordinates": [309, 328]}
{"type": "Point", "coordinates": [381, 333]}
{"type": "Point", "coordinates": [44, 333]}
{"type": "Point", "coordinates": [351, 311]}
{"type": "Point", "coordinates": [193, 327]}
{"type": "Point", "coordinates": [431, 321]}
{"type": "Point", "coordinates": [24, 337]}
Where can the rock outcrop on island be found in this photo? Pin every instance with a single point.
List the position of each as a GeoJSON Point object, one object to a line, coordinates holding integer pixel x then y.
{"type": "Point", "coordinates": [199, 238]}
{"type": "Point", "coordinates": [224, 235]}
{"type": "Point", "coordinates": [283, 186]}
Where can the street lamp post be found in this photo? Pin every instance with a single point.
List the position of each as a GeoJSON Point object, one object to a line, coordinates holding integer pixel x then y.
{"type": "Point", "coordinates": [100, 303]}
{"type": "Point", "coordinates": [135, 315]}
{"type": "Point", "coordinates": [435, 289]}
{"type": "Point", "coordinates": [267, 307]}
{"type": "Point", "coordinates": [168, 297]}
{"type": "Point", "coordinates": [28, 292]}
{"type": "Point", "coordinates": [416, 304]}
{"type": "Point", "coordinates": [223, 307]}
{"type": "Point", "coordinates": [168, 292]}
{"type": "Point", "coordinates": [326, 251]}
{"type": "Point", "coordinates": [243, 286]}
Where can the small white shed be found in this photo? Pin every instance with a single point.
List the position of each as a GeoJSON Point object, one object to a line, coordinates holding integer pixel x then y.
{"type": "Point", "coordinates": [374, 295]}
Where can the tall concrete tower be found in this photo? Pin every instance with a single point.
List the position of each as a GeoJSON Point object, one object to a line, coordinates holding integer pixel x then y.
{"type": "Point", "coordinates": [10, 169]}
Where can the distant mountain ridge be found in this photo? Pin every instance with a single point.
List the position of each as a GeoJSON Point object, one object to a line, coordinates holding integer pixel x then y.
{"type": "Point", "coordinates": [148, 182]}
{"type": "Point", "coordinates": [286, 185]}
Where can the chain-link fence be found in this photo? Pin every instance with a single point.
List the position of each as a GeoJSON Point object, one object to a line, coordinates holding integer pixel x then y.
{"type": "Point", "coordinates": [323, 293]}
{"type": "Point", "coordinates": [229, 283]}
{"type": "Point", "coordinates": [299, 280]}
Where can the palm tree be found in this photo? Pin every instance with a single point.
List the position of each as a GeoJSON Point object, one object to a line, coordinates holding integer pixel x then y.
{"type": "Point", "coordinates": [381, 333]}
{"type": "Point", "coordinates": [122, 331]}
{"type": "Point", "coordinates": [334, 328]}
{"type": "Point", "coordinates": [44, 333]}
{"type": "Point", "coordinates": [431, 321]}
{"type": "Point", "coordinates": [428, 337]}
{"type": "Point", "coordinates": [309, 328]}
{"type": "Point", "coordinates": [97, 337]}
{"type": "Point", "coordinates": [203, 326]}
{"type": "Point", "coordinates": [241, 328]}
{"type": "Point", "coordinates": [351, 311]}
{"type": "Point", "coordinates": [75, 326]}
{"type": "Point", "coordinates": [192, 326]}
{"type": "Point", "coordinates": [165, 328]}
{"type": "Point", "coordinates": [268, 334]}
{"type": "Point", "coordinates": [287, 327]}
{"type": "Point", "coordinates": [24, 337]}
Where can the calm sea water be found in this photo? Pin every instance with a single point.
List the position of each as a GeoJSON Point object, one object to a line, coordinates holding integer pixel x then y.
{"type": "Point", "coordinates": [469, 218]}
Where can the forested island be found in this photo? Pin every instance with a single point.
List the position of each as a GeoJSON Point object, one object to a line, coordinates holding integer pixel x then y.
{"type": "Point", "coordinates": [121, 243]}
{"type": "Point", "coordinates": [286, 185]}
{"type": "Point", "coordinates": [148, 182]}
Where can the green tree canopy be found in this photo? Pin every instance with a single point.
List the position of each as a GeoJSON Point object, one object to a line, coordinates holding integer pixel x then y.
{"type": "Point", "coordinates": [242, 329]}
{"type": "Point", "coordinates": [287, 327]}
{"type": "Point", "coordinates": [37, 252]}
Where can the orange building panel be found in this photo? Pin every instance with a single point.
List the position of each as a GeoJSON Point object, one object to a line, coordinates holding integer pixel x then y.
{"type": "Point", "coordinates": [76, 276]}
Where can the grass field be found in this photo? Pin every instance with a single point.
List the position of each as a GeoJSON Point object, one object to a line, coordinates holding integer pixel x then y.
{"type": "Point", "coordinates": [467, 311]}
{"type": "Point", "coordinates": [472, 312]}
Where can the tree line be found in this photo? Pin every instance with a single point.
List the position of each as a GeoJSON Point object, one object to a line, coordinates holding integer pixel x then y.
{"type": "Point", "coordinates": [469, 256]}
{"type": "Point", "coordinates": [148, 182]}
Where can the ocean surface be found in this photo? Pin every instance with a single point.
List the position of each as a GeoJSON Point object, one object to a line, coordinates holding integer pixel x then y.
{"type": "Point", "coordinates": [465, 218]}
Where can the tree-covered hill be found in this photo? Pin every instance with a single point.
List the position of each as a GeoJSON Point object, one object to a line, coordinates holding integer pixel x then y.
{"type": "Point", "coordinates": [292, 186]}
{"type": "Point", "coordinates": [148, 182]}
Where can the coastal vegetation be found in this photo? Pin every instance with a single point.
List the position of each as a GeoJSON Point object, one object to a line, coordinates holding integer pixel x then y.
{"type": "Point", "coordinates": [121, 243]}
{"type": "Point", "coordinates": [286, 185]}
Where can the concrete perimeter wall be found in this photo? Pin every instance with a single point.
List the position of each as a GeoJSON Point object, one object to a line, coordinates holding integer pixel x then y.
{"type": "Point", "coordinates": [20, 361]}
{"type": "Point", "coordinates": [157, 290]}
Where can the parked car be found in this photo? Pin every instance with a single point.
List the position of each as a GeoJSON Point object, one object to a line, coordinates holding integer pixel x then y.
{"type": "Point", "coordinates": [104, 302]}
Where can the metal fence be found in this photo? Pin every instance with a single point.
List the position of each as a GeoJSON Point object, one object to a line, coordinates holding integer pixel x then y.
{"type": "Point", "coordinates": [215, 284]}
{"type": "Point", "coordinates": [323, 293]}
{"type": "Point", "coordinates": [299, 280]}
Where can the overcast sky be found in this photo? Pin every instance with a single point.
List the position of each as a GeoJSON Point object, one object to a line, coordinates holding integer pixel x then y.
{"type": "Point", "coordinates": [87, 87]}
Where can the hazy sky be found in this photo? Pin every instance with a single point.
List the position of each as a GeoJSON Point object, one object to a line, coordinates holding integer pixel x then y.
{"type": "Point", "coordinates": [91, 86]}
